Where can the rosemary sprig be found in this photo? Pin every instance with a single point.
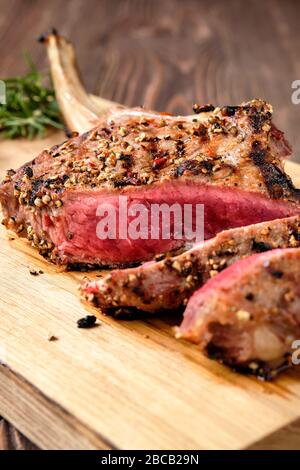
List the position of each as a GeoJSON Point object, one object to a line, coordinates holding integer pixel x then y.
{"type": "Point", "coordinates": [30, 106]}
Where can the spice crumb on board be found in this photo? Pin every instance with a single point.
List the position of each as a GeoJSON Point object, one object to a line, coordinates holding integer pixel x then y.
{"type": "Point", "coordinates": [52, 337]}
{"type": "Point", "coordinates": [89, 321]}
{"type": "Point", "coordinates": [35, 272]}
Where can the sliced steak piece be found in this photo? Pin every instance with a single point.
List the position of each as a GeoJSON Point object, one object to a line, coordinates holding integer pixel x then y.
{"type": "Point", "coordinates": [169, 283]}
{"type": "Point", "coordinates": [228, 159]}
{"type": "Point", "coordinates": [249, 314]}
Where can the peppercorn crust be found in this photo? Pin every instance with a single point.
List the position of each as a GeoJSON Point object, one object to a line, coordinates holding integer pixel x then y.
{"type": "Point", "coordinates": [169, 283]}
{"type": "Point", "coordinates": [135, 147]}
{"type": "Point", "coordinates": [134, 151]}
{"type": "Point", "coordinates": [233, 320]}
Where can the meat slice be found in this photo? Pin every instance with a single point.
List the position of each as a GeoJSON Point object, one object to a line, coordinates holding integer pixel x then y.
{"type": "Point", "coordinates": [168, 284]}
{"type": "Point", "coordinates": [249, 314]}
{"type": "Point", "coordinates": [221, 158]}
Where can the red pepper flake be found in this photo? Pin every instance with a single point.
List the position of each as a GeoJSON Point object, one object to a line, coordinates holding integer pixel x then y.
{"type": "Point", "coordinates": [210, 152]}
{"type": "Point", "coordinates": [158, 163]}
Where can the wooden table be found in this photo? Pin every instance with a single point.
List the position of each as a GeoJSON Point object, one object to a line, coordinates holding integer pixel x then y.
{"type": "Point", "coordinates": [166, 54]}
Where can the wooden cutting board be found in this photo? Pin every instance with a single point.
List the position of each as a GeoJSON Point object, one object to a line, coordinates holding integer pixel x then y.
{"type": "Point", "coordinates": [125, 385]}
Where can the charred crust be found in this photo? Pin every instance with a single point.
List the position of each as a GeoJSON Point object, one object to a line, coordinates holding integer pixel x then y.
{"type": "Point", "coordinates": [180, 148]}
{"type": "Point", "coordinates": [259, 369]}
{"type": "Point", "coordinates": [278, 183]}
{"type": "Point", "coordinates": [82, 267]}
{"type": "Point", "coordinates": [138, 290]}
{"type": "Point", "coordinates": [194, 167]}
{"type": "Point", "coordinates": [186, 270]}
{"type": "Point", "coordinates": [215, 352]}
{"type": "Point", "coordinates": [126, 313]}
{"type": "Point", "coordinates": [85, 267]}
{"type": "Point", "coordinates": [206, 165]}
{"type": "Point", "coordinates": [217, 127]}
{"type": "Point", "coordinates": [168, 263]}
{"type": "Point", "coordinates": [259, 115]}
{"type": "Point", "coordinates": [260, 247]}
{"type": "Point", "coordinates": [249, 296]}
{"type": "Point", "coordinates": [126, 159]}
{"type": "Point", "coordinates": [276, 274]}
{"type": "Point", "coordinates": [183, 167]}
{"type": "Point", "coordinates": [257, 121]}
{"type": "Point", "coordinates": [126, 181]}
{"type": "Point", "coordinates": [35, 187]}
{"type": "Point", "coordinates": [296, 234]}
{"type": "Point", "coordinates": [256, 144]}
{"type": "Point", "coordinates": [200, 131]}
{"type": "Point", "coordinates": [28, 171]}
{"type": "Point", "coordinates": [262, 370]}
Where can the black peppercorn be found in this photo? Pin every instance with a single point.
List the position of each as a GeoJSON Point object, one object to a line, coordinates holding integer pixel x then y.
{"type": "Point", "coordinates": [28, 172]}
{"type": "Point", "coordinates": [249, 296]}
{"type": "Point", "coordinates": [203, 109]}
{"type": "Point", "coordinates": [86, 322]}
{"type": "Point", "coordinates": [229, 110]}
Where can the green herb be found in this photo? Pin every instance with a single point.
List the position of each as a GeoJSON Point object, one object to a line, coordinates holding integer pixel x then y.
{"type": "Point", "coordinates": [30, 107]}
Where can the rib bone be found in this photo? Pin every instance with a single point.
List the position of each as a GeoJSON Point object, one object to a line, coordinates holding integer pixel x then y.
{"type": "Point", "coordinates": [79, 109]}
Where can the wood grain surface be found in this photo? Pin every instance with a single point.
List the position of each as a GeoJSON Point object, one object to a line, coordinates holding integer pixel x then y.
{"type": "Point", "coordinates": [123, 384]}
{"type": "Point", "coordinates": [165, 54]}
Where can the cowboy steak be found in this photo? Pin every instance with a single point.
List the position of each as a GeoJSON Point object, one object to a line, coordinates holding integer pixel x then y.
{"type": "Point", "coordinates": [232, 318]}
{"type": "Point", "coordinates": [228, 159]}
{"type": "Point", "coordinates": [168, 284]}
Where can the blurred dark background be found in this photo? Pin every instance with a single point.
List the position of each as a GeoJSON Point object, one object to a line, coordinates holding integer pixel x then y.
{"type": "Point", "coordinates": [167, 54]}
